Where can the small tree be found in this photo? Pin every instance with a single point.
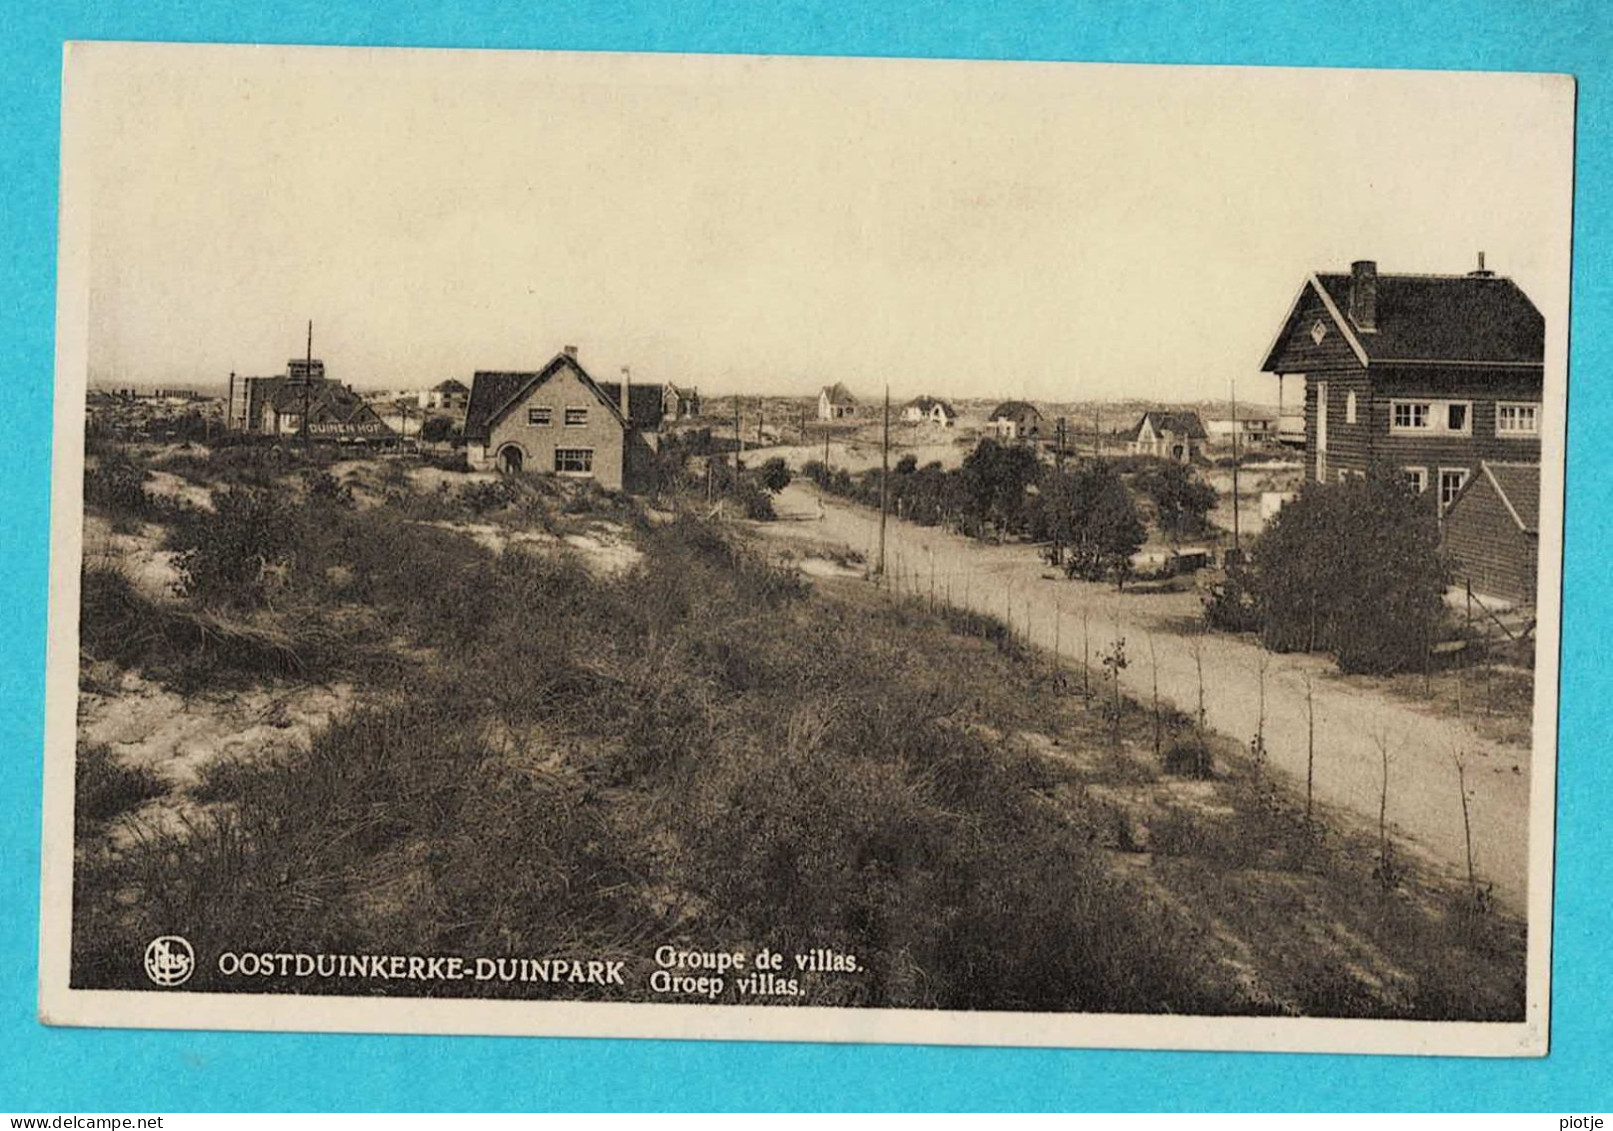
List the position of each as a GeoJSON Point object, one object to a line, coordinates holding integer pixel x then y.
{"type": "Point", "coordinates": [1182, 500]}
{"type": "Point", "coordinates": [994, 482]}
{"type": "Point", "coordinates": [1090, 511]}
{"type": "Point", "coordinates": [1114, 662]}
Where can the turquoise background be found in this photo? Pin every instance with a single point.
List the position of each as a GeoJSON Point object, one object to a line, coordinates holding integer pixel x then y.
{"type": "Point", "coordinates": [60, 1070]}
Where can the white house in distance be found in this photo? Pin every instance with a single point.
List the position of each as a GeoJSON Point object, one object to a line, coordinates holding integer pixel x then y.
{"type": "Point", "coordinates": [1253, 429]}
{"type": "Point", "coordinates": [930, 410]}
{"type": "Point", "coordinates": [835, 402]}
{"type": "Point", "coordinates": [449, 395]}
{"type": "Point", "coordinates": [1168, 435]}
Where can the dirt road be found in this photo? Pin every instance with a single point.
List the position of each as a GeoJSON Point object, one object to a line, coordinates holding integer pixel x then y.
{"type": "Point", "coordinates": [1425, 805]}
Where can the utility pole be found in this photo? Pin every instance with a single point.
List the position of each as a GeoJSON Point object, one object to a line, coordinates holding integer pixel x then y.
{"type": "Point", "coordinates": [884, 474]}
{"type": "Point", "coordinates": [1058, 463]}
{"type": "Point", "coordinates": [307, 382]}
{"type": "Point", "coordinates": [739, 438]}
{"type": "Point", "coordinates": [1236, 548]}
{"type": "Point", "coordinates": [1097, 432]}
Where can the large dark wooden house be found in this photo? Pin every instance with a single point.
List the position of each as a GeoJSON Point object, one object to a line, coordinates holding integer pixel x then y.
{"type": "Point", "coordinates": [1430, 375]}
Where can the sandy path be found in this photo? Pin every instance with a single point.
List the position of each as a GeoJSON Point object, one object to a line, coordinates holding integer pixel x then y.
{"type": "Point", "coordinates": [1424, 802]}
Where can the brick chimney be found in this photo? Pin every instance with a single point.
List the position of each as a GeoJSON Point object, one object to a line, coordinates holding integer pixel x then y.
{"type": "Point", "coordinates": [1364, 294]}
{"type": "Point", "coordinates": [571, 352]}
{"type": "Point", "coordinates": [627, 380]}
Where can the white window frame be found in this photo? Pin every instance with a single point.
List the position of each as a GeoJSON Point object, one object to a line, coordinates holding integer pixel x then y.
{"type": "Point", "coordinates": [540, 416]}
{"type": "Point", "coordinates": [1465, 472]}
{"type": "Point", "coordinates": [1438, 414]}
{"type": "Point", "coordinates": [581, 414]}
{"type": "Point", "coordinates": [1418, 475]}
{"type": "Point", "coordinates": [1349, 407]}
{"type": "Point", "coordinates": [1530, 433]}
{"type": "Point", "coordinates": [587, 455]}
{"type": "Point", "coordinates": [1394, 413]}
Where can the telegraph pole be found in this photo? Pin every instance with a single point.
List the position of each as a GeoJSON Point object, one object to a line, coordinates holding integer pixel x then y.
{"type": "Point", "coordinates": [739, 438]}
{"type": "Point", "coordinates": [307, 382]}
{"type": "Point", "coordinates": [884, 475]}
{"type": "Point", "coordinates": [1236, 549]}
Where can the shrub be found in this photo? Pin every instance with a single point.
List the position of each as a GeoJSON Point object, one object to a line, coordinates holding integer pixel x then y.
{"type": "Point", "coordinates": [1353, 569]}
{"type": "Point", "coordinates": [449, 461]}
{"type": "Point", "coordinates": [757, 502]}
{"type": "Point", "coordinates": [484, 498]}
{"type": "Point", "coordinates": [775, 474]}
{"type": "Point", "coordinates": [1189, 755]}
{"type": "Point", "coordinates": [323, 487]}
{"type": "Point", "coordinates": [105, 788]}
{"type": "Point", "coordinates": [436, 429]}
{"type": "Point", "coordinates": [118, 486]}
{"type": "Point", "coordinates": [1229, 605]}
{"type": "Point", "coordinates": [236, 553]}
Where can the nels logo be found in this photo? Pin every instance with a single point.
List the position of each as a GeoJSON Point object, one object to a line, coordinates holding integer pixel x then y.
{"type": "Point", "coordinates": [169, 961]}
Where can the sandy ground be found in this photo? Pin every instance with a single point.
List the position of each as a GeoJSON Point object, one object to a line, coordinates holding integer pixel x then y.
{"type": "Point", "coordinates": [140, 555]}
{"type": "Point", "coordinates": [1424, 801]}
{"type": "Point", "coordinates": [174, 487]}
{"type": "Point", "coordinates": [145, 724]}
{"type": "Point", "coordinates": [605, 548]}
{"type": "Point", "coordinates": [926, 444]}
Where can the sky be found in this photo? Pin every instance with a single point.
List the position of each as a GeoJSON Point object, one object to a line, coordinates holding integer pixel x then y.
{"type": "Point", "coordinates": [770, 225]}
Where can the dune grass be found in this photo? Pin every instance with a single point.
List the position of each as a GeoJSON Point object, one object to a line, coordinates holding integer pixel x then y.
{"type": "Point", "coordinates": [707, 752]}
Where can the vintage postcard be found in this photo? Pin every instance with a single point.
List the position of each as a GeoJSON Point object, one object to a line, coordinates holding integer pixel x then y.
{"type": "Point", "coordinates": [811, 549]}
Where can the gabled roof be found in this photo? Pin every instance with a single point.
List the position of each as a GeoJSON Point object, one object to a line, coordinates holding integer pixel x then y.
{"type": "Point", "coordinates": [493, 393]}
{"type": "Point", "coordinates": [1185, 424]}
{"type": "Point", "coordinates": [1518, 487]}
{"type": "Point", "coordinates": [646, 404]}
{"type": "Point", "coordinates": [327, 402]}
{"type": "Point", "coordinates": [928, 404]}
{"type": "Point", "coordinates": [1444, 319]}
{"type": "Point", "coordinates": [1014, 410]}
{"type": "Point", "coordinates": [450, 386]}
{"type": "Point", "coordinates": [838, 394]}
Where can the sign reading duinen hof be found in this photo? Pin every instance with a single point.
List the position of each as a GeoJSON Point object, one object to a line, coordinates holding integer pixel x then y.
{"type": "Point", "coordinates": [863, 549]}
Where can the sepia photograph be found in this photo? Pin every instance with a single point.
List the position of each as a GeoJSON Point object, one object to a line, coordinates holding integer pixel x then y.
{"type": "Point", "coordinates": [770, 548]}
